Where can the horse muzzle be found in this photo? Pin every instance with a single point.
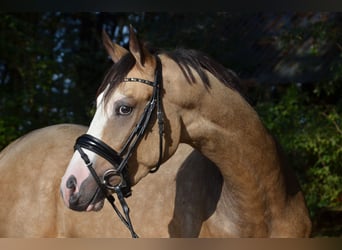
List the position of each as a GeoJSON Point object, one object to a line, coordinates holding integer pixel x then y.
{"type": "Point", "coordinates": [88, 197]}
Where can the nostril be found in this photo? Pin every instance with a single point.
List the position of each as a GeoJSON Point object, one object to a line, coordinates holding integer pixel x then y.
{"type": "Point", "coordinates": [71, 182]}
{"type": "Point", "coordinates": [73, 200]}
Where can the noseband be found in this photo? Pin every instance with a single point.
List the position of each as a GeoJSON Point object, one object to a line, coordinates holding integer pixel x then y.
{"type": "Point", "coordinates": [116, 179]}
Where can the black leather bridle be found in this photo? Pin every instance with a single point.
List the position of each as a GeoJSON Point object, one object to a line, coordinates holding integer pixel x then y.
{"type": "Point", "coordinates": [116, 179]}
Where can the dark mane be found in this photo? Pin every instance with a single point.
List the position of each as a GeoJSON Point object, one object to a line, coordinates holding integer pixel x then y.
{"type": "Point", "coordinates": [186, 59]}
{"type": "Point", "coordinates": [200, 62]}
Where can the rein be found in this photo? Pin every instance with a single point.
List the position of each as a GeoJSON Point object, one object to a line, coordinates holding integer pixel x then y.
{"type": "Point", "coordinates": [119, 173]}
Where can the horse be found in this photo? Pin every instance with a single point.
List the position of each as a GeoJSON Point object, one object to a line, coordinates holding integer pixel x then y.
{"type": "Point", "coordinates": [35, 163]}
{"type": "Point", "coordinates": [151, 102]}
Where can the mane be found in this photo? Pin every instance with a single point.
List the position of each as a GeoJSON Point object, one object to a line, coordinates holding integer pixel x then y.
{"type": "Point", "coordinates": [185, 58]}
{"type": "Point", "coordinates": [200, 62]}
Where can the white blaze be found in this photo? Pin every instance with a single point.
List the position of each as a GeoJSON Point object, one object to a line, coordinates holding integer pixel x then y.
{"type": "Point", "coordinates": [77, 166]}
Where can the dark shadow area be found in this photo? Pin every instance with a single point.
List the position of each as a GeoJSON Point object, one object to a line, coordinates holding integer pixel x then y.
{"type": "Point", "coordinates": [198, 189]}
{"type": "Point", "coordinates": [291, 182]}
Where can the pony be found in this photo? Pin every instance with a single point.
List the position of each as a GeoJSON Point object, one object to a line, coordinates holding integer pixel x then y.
{"type": "Point", "coordinates": [199, 104]}
{"type": "Point", "coordinates": [31, 169]}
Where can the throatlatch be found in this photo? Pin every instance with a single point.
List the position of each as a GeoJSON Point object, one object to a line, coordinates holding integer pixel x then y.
{"type": "Point", "coordinates": [116, 179]}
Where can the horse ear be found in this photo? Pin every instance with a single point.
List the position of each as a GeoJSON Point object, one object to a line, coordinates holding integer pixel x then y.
{"type": "Point", "coordinates": [114, 50]}
{"type": "Point", "coordinates": [139, 51]}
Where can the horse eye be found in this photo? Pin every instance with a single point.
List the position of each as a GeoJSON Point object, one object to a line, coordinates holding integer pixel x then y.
{"type": "Point", "coordinates": [124, 110]}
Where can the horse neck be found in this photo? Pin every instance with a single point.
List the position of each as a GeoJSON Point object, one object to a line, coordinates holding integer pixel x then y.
{"type": "Point", "coordinates": [219, 123]}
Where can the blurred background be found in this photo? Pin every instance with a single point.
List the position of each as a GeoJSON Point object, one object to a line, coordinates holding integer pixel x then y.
{"type": "Point", "coordinates": [290, 65]}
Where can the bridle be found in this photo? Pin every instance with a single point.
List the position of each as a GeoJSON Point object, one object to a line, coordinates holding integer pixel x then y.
{"type": "Point", "coordinates": [116, 179]}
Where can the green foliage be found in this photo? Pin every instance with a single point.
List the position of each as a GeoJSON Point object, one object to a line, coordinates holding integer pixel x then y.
{"type": "Point", "coordinates": [48, 69]}
{"type": "Point", "coordinates": [312, 136]}
{"type": "Point", "coordinates": [8, 132]}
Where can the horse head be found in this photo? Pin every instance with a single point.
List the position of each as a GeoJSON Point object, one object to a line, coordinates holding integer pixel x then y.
{"type": "Point", "coordinates": [125, 125]}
